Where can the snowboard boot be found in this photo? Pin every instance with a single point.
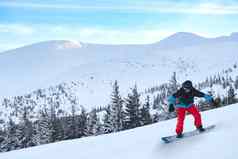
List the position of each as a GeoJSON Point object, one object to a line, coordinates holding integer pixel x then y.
{"type": "Point", "coordinates": [200, 129]}
{"type": "Point", "coordinates": [179, 135]}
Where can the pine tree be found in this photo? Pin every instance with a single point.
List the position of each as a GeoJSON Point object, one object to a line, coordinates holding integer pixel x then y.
{"type": "Point", "coordinates": [93, 125]}
{"type": "Point", "coordinates": [236, 83]}
{"type": "Point", "coordinates": [173, 84]}
{"type": "Point", "coordinates": [2, 138]}
{"type": "Point", "coordinates": [156, 102]}
{"type": "Point", "coordinates": [145, 112]}
{"type": "Point", "coordinates": [72, 131]}
{"type": "Point", "coordinates": [132, 110]}
{"type": "Point", "coordinates": [116, 114]}
{"type": "Point", "coordinates": [231, 96]}
{"type": "Point", "coordinates": [83, 118]}
{"type": "Point", "coordinates": [107, 123]}
{"type": "Point", "coordinates": [56, 127]}
{"type": "Point", "coordinates": [10, 141]}
{"type": "Point", "coordinates": [155, 117]}
{"type": "Point", "coordinates": [25, 131]}
{"type": "Point", "coordinates": [42, 130]}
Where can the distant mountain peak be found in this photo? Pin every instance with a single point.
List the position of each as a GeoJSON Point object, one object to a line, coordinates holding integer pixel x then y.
{"type": "Point", "coordinates": [58, 44]}
{"type": "Point", "coordinates": [234, 35]}
{"type": "Point", "coordinates": [185, 34]}
{"type": "Point", "coordinates": [181, 39]}
{"type": "Point", "coordinates": [69, 45]}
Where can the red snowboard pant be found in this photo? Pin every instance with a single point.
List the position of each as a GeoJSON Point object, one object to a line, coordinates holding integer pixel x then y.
{"type": "Point", "coordinates": [181, 112]}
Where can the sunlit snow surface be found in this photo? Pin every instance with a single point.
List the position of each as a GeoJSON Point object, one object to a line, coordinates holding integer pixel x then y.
{"type": "Point", "coordinates": [145, 142]}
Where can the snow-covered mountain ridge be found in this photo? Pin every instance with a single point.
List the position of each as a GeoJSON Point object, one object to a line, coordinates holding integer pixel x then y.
{"type": "Point", "coordinates": [145, 142]}
{"type": "Point", "coordinates": [184, 39]}
{"type": "Point", "coordinates": [97, 66]}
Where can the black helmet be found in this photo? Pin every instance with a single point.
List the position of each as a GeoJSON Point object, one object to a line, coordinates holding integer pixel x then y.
{"type": "Point", "coordinates": [187, 84]}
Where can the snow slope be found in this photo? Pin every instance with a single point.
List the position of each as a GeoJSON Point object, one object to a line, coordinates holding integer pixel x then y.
{"type": "Point", "coordinates": [97, 66]}
{"type": "Point", "coordinates": [145, 142]}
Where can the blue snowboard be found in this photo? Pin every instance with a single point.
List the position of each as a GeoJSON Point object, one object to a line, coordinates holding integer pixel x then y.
{"type": "Point", "coordinates": [169, 139]}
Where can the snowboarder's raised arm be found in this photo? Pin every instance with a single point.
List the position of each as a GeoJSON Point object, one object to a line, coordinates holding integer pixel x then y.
{"type": "Point", "coordinates": [197, 93]}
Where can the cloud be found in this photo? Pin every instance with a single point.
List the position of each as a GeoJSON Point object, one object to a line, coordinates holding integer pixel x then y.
{"type": "Point", "coordinates": [16, 29]}
{"type": "Point", "coordinates": [110, 36]}
{"type": "Point", "coordinates": [105, 35]}
{"type": "Point", "coordinates": [210, 8]}
{"type": "Point", "coordinates": [163, 7]}
{"type": "Point", "coordinates": [123, 36]}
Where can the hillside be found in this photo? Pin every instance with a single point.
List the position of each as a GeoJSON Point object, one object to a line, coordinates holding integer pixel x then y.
{"type": "Point", "coordinates": [96, 66]}
{"type": "Point", "coordinates": [145, 143]}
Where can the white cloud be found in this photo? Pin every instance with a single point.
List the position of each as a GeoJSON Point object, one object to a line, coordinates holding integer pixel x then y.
{"type": "Point", "coordinates": [164, 7]}
{"type": "Point", "coordinates": [125, 37]}
{"type": "Point", "coordinates": [210, 8]}
{"type": "Point", "coordinates": [16, 29]}
{"type": "Point", "coordinates": [109, 36]}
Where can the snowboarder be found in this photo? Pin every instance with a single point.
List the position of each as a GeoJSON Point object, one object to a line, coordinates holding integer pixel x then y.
{"type": "Point", "coordinates": [183, 101]}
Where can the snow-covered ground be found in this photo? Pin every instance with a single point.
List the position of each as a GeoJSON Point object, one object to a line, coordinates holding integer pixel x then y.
{"type": "Point", "coordinates": [96, 67]}
{"type": "Point", "coordinates": [145, 142]}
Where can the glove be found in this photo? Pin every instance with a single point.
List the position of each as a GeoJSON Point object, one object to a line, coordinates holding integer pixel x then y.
{"type": "Point", "coordinates": [208, 98]}
{"type": "Point", "coordinates": [217, 102]}
{"type": "Point", "coordinates": [171, 108]}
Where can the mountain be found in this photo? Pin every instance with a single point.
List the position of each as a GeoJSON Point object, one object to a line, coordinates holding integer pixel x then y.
{"type": "Point", "coordinates": [145, 142]}
{"type": "Point", "coordinates": [185, 39]}
{"type": "Point", "coordinates": [182, 39]}
{"type": "Point", "coordinates": [97, 66]}
{"type": "Point", "coordinates": [234, 36]}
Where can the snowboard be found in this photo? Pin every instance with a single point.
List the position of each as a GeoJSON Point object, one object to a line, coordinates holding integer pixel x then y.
{"type": "Point", "coordinates": [172, 138]}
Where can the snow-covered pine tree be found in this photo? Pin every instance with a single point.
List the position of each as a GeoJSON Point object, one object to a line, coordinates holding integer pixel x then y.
{"type": "Point", "coordinates": [57, 130]}
{"type": "Point", "coordinates": [93, 124]}
{"type": "Point", "coordinates": [25, 130]}
{"type": "Point", "coordinates": [219, 79]}
{"type": "Point", "coordinates": [156, 101]}
{"type": "Point", "coordinates": [116, 113]}
{"type": "Point", "coordinates": [145, 112]}
{"type": "Point", "coordinates": [55, 123]}
{"type": "Point", "coordinates": [72, 125]}
{"type": "Point", "coordinates": [173, 84]}
{"type": "Point", "coordinates": [82, 127]}
{"type": "Point", "coordinates": [231, 95]}
{"type": "Point", "coordinates": [10, 141]}
{"type": "Point", "coordinates": [2, 138]}
{"type": "Point", "coordinates": [107, 123]}
{"type": "Point", "coordinates": [236, 83]}
{"type": "Point", "coordinates": [132, 110]}
{"type": "Point", "coordinates": [155, 117]}
{"type": "Point", "coordinates": [42, 130]}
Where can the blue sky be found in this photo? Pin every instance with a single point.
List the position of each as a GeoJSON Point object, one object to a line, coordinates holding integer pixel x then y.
{"type": "Point", "coordinates": [112, 22]}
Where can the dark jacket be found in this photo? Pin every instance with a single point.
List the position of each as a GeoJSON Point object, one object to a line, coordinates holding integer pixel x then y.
{"type": "Point", "coordinates": [182, 99]}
